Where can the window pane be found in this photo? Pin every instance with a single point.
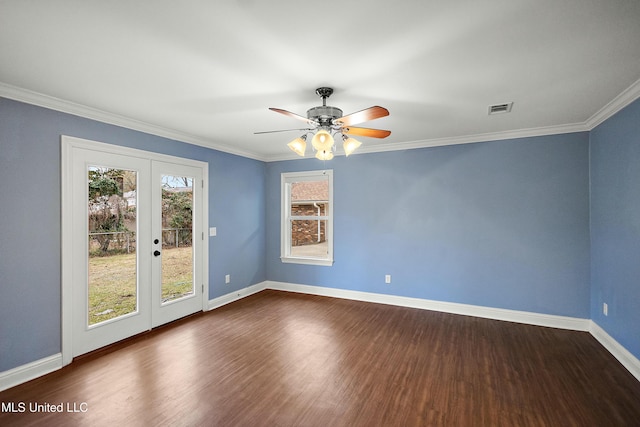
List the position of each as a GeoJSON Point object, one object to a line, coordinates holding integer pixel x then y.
{"type": "Point", "coordinates": [309, 238]}
{"type": "Point", "coordinates": [177, 248]}
{"type": "Point", "coordinates": [112, 285]}
{"type": "Point", "coordinates": [307, 223]}
{"type": "Point", "coordinates": [310, 198]}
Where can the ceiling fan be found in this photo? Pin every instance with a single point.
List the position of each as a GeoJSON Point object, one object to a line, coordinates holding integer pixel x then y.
{"type": "Point", "coordinates": [325, 122]}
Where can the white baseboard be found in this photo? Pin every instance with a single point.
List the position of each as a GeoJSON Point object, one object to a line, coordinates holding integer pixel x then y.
{"type": "Point", "coordinates": [38, 368]}
{"type": "Point", "coordinates": [561, 322]}
{"type": "Point", "coordinates": [623, 355]}
{"type": "Point", "coordinates": [30, 371]}
{"type": "Point", "coordinates": [49, 364]}
{"type": "Point", "coordinates": [628, 360]}
{"type": "Point", "coordinates": [236, 295]}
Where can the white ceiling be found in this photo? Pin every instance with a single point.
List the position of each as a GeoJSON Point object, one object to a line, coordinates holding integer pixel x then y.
{"type": "Point", "coordinates": [207, 71]}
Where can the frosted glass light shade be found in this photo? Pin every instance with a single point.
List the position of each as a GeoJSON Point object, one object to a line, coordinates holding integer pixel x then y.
{"type": "Point", "coordinates": [298, 145]}
{"type": "Point", "coordinates": [350, 145]}
{"type": "Point", "coordinates": [322, 140]}
{"type": "Point", "coordinates": [324, 154]}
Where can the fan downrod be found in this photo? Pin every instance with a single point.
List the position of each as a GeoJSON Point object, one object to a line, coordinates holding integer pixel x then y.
{"type": "Point", "coordinates": [324, 93]}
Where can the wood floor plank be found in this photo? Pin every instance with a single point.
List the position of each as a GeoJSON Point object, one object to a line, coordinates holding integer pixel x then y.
{"type": "Point", "coordinates": [285, 359]}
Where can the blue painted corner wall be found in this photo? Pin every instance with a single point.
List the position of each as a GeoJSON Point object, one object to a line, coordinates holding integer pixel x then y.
{"type": "Point", "coordinates": [615, 226]}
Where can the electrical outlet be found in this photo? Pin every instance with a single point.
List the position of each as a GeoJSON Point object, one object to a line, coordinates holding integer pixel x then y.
{"type": "Point", "coordinates": [227, 278]}
{"type": "Point", "coordinates": [605, 309]}
{"type": "Point", "coordinates": [387, 278]}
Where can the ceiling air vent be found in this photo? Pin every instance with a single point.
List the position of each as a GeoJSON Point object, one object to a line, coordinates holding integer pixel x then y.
{"type": "Point", "coordinates": [500, 108]}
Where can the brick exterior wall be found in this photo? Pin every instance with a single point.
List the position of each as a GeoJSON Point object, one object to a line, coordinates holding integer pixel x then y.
{"type": "Point", "coordinates": [306, 232]}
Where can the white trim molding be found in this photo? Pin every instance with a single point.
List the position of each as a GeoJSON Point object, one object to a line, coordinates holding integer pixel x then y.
{"type": "Point", "coordinates": [41, 100]}
{"type": "Point", "coordinates": [30, 371]}
{"type": "Point", "coordinates": [68, 144]}
{"type": "Point", "coordinates": [625, 98]}
{"type": "Point", "coordinates": [529, 318]}
{"type": "Point", "coordinates": [628, 360]}
{"type": "Point", "coordinates": [623, 355]}
{"type": "Point", "coordinates": [44, 366]}
{"type": "Point", "coordinates": [287, 180]}
{"type": "Point", "coordinates": [455, 140]}
{"type": "Point", "coordinates": [236, 295]}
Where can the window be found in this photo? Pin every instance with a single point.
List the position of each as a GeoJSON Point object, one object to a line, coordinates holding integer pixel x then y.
{"type": "Point", "coordinates": [307, 217]}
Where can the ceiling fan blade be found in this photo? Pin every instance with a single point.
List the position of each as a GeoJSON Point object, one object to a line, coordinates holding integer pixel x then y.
{"type": "Point", "coordinates": [365, 115]}
{"type": "Point", "coordinates": [283, 130]}
{"type": "Point", "coordinates": [372, 133]}
{"type": "Point", "coordinates": [290, 114]}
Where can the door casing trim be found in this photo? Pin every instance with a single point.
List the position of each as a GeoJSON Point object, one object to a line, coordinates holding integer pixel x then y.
{"type": "Point", "coordinates": [67, 145]}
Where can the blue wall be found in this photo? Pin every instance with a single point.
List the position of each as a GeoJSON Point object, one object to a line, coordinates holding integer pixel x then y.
{"type": "Point", "coordinates": [615, 226]}
{"type": "Point", "coordinates": [30, 226]}
{"type": "Point", "coordinates": [503, 224]}
{"type": "Point", "coordinates": [500, 224]}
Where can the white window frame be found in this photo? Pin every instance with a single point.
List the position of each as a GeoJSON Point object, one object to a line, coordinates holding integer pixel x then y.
{"type": "Point", "coordinates": [285, 227]}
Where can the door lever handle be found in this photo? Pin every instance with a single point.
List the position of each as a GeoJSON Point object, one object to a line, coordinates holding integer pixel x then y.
{"type": "Point", "coordinates": [156, 253]}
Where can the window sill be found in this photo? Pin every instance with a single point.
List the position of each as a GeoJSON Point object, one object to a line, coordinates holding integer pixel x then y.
{"type": "Point", "coordinates": [308, 261]}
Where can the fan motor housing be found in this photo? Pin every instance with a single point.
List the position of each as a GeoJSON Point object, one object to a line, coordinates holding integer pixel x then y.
{"type": "Point", "coordinates": [324, 114]}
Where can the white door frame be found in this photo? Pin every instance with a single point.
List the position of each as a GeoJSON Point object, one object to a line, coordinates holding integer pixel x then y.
{"type": "Point", "coordinates": [68, 144]}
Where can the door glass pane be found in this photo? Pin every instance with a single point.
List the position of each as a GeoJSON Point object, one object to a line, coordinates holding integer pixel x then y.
{"type": "Point", "coordinates": [112, 219]}
{"type": "Point", "coordinates": [177, 229]}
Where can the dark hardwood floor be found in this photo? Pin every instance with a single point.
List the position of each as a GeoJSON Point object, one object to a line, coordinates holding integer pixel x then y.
{"type": "Point", "coordinates": [284, 359]}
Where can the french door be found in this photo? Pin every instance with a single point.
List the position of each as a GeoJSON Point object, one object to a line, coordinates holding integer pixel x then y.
{"type": "Point", "coordinates": [133, 242]}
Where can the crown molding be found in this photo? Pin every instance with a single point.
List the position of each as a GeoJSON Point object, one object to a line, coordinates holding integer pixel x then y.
{"type": "Point", "coordinates": [471, 139]}
{"type": "Point", "coordinates": [19, 94]}
{"type": "Point", "coordinates": [455, 140]}
{"type": "Point", "coordinates": [57, 104]}
{"type": "Point", "coordinates": [625, 98]}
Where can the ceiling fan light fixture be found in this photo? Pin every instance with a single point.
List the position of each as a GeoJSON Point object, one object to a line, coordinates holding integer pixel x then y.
{"type": "Point", "coordinates": [324, 154]}
{"type": "Point", "coordinates": [322, 141]}
{"type": "Point", "coordinates": [325, 121]}
{"type": "Point", "coordinates": [350, 145]}
{"type": "Point", "coordinates": [299, 145]}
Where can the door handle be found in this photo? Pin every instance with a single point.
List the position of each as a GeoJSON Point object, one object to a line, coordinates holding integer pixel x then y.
{"type": "Point", "coordinates": [156, 253]}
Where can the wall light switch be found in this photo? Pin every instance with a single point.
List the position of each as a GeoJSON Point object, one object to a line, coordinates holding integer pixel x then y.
{"type": "Point", "coordinates": [212, 231]}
